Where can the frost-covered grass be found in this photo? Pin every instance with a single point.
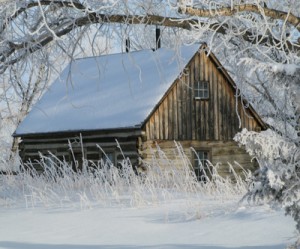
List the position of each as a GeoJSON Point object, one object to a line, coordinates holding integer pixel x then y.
{"type": "Point", "coordinates": [113, 207]}
{"type": "Point", "coordinates": [103, 184]}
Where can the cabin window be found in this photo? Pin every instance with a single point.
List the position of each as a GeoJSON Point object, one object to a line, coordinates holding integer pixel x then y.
{"type": "Point", "coordinates": [201, 90]}
{"type": "Point", "coordinates": [201, 165]}
{"type": "Point", "coordinates": [108, 158]}
{"type": "Point", "coordinates": [77, 161]}
{"type": "Point", "coordinates": [49, 160]}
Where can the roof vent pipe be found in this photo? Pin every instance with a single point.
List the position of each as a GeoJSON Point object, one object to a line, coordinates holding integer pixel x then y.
{"type": "Point", "coordinates": [127, 45]}
{"type": "Point", "coordinates": [158, 37]}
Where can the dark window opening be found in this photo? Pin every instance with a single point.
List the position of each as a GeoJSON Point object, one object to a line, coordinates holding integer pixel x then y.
{"type": "Point", "coordinates": [201, 165]}
{"type": "Point", "coordinates": [77, 161]}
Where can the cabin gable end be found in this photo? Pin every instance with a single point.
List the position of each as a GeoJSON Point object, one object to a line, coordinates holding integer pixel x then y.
{"type": "Point", "coordinates": [200, 105]}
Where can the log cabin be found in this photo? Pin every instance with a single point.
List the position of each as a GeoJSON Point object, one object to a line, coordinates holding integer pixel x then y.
{"type": "Point", "coordinates": [141, 99]}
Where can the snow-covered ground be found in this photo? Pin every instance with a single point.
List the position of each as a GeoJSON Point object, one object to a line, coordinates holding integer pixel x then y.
{"type": "Point", "coordinates": [200, 223]}
{"type": "Point", "coordinates": [118, 209]}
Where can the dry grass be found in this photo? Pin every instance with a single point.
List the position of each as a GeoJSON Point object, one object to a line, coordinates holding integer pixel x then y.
{"type": "Point", "coordinates": [106, 185]}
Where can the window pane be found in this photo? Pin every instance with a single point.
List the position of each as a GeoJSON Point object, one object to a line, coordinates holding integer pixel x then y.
{"type": "Point", "coordinates": [77, 162]}
{"type": "Point", "coordinates": [205, 94]}
{"type": "Point", "coordinates": [109, 157]}
{"type": "Point", "coordinates": [201, 165]}
{"type": "Point", "coordinates": [205, 85]}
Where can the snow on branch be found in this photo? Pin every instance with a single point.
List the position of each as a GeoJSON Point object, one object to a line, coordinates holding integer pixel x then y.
{"type": "Point", "coordinates": [230, 11]}
{"type": "Point", "coordinates": [42, 22]}
{"type": "Point", "coordinates": [266, 145]}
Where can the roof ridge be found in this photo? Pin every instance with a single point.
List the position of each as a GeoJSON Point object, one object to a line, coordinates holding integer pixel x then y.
{"type": "Point", "coordinates": [137, 51]}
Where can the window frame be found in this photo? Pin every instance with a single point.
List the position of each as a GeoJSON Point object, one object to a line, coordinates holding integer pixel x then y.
{"type": "Point", "coordinates": [76, 159]}
{"type": "Point", "coordinates": [201, 86]}
{"type": "Point", "coordinates": [105, 156]}
{"type": "Point", "coordinates": [196, 165]}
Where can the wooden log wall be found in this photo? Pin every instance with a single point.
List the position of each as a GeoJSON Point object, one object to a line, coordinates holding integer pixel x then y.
{"type": "Point", "coordinates": [58, 144]}
{"type": "Point", "coordinates": [220, 153]}
{"type": "Point", "coordinates": [180, 116]}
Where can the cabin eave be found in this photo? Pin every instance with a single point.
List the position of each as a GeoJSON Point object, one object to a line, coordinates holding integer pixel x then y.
{"type": "Point", "coordinates": [136, 129]}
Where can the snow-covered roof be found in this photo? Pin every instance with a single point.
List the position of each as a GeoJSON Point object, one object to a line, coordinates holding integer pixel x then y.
{"type": "Point", "coordinates": [107, 92]}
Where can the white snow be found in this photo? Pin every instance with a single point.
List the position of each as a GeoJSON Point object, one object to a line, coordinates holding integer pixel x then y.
{"type": "Point", "coordinates": [289, 69]}
{"type": "Point", "coordinates": [113, 91]}
{"type": "Point", "coordinates": [218, 225]}
{"type": "Point", "coordinates": [167, 209]}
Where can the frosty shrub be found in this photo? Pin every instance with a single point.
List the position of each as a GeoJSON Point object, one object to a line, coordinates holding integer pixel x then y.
{"type": "Point", "coordinates": [278, 179]}
{"type": "Point", "coordinates": [103, 184]}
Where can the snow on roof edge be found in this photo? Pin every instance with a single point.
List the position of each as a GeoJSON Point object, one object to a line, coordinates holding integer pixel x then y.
{"type": "Point", "coordinates": [137, 127]}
